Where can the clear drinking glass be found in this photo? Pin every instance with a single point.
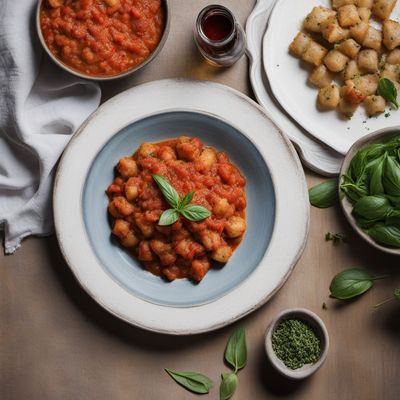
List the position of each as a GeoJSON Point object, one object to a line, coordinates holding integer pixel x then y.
{"type": "Point", "coordinates": [219, 37]}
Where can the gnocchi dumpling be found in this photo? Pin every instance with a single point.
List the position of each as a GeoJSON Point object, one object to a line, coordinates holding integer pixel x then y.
{"type": "Point", "coordinates": [368, 60]}
{"type": "Point", "coordinates": [374, 105]}
{"type": "Point", "coordinates": [391, 34]}
{"type": "Point", "coordinates": [332, 31]}
{"type": "Point", "coordinates": [349, 48]}
{"type": "Point", "coordinates": [348, 16]}
{"type": "Point", "coordinates": [335, 61]}
{"type": "Point", "coordinates": [383, 8]}
{"type": "Point", "coordinates": [320, 77]}
{"type": "Point", "coordinates": [318, 15]}
{"type": "Point", "coordinates": [328, 97]}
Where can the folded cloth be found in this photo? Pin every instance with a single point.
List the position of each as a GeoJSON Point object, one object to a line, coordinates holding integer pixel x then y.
{"type": "Point", "coordinates": [41, 106]}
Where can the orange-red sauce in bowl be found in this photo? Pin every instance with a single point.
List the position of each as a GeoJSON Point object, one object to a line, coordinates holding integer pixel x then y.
{"type": "Point", "coordinates": [184, 249]}
{"type": "Point", "coordinates": [102, 38]}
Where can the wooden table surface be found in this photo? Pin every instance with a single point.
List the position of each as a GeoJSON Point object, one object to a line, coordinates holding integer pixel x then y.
{"type": "Point", "coordinates": [56, 343]}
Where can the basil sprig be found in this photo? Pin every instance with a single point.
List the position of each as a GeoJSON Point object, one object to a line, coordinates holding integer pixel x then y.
{"type": "Point", "coordinates": [388, 91]}
{"type": "Point", "coordinates": [351, 283]}
{"type": "Point", "coordinates": [325, 194]}
{"type": "Point", "coordinates": [236, 357]}
{"type": "Point", "coordinates": [180, 206]}
{"type": "Point", "coordinates": [193, 381]}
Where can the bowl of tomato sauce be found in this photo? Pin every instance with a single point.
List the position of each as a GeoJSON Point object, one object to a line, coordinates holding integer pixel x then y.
{"type": "Point", "coordinates": [102, 39]}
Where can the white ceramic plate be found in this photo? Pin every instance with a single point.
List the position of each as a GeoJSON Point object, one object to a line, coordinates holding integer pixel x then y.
{"type": "Point", "coordinates": [316, 156]}
{"type": "Point", "coordinates": [133, 106]}
{"type": "Point", "coordinates": [288, 78]}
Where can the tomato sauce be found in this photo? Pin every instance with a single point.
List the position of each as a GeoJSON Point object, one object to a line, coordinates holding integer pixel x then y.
{"type": "Point", "coordinates": [184, 249]}
{"type": "Point", "coordinates": [102, 37]}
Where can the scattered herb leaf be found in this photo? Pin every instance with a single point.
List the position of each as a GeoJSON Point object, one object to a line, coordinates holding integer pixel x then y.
{"type": "Point", "coordinates": [388, 91]}
{"type": "Point", "coordinates": [351, 283]}
{"type": "Point", "coordinates": [325, 194]}
{"type": "Point", "coordinates": [236, 350]}
{"type": "Point", "coordinates": [336, 238]}
{"type": "Point", "coordinates": [324, 306]}
{"type": "Point", "coordinates": [193, 381]}
{"type": "Point", "coordinates": [228, 385]}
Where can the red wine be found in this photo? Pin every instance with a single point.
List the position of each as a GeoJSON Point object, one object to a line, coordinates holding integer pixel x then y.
{"type": "Point", "coordinates": [217, 27]}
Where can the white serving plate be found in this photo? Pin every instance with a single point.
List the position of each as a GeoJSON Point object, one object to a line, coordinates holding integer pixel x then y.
{"type": "Point", "coordinates": [288, 79]}
{"type": "Point", "coordinates": [291, 198]}
{"type": "Point", "coordinates": [314, 155]}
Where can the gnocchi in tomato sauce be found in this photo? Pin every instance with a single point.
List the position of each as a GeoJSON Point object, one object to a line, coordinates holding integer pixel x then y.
{"type": "Point", "coordinates": [185, 249]}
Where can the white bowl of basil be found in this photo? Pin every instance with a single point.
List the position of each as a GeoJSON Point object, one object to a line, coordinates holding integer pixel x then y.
{"type": "Point", "coordinates": [370, 189]}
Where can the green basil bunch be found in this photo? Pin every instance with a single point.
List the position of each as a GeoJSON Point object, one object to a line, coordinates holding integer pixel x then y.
{"type": "Point", "coordinates": [372, 185]}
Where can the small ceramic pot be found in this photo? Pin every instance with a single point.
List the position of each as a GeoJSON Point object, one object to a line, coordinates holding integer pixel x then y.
{"type": "Point", "coordinates": [320, 330]}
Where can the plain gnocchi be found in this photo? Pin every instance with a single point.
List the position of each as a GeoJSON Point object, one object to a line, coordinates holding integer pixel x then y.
{"type": "Point", "coordinates": [349, 54]}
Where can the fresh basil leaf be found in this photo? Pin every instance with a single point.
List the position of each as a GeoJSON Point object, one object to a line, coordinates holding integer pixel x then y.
{"type": "Point", "coordinates": [393, 218]}
{"type": "Point", "coordinates": [391, 177]}
{"type": "Point", "coordinates": [395, 200]}
{"type": "Point", "coordinates": [185, 200]}
{"type": "Point", "coordinates": [386, 235]}
{"type": "Point", "coordinates": [193, 381]}
{"type": "Point", "coordinates": [350, 283]}
{"type": "Point", "coordinates": [366, 223]}
{"type": "Point", "coordinates": [357, 165]}
{"type": "Point", "coordinates": [396, 294]}
{"type": "Point", "coordinates": [168, 191]}
{"type": "Point", "coordinates": [325, 194]}
{"type": "Point", "coordinates": [354, 192]}
{"type": "Point", "coordinates": [388, 91]}
{"type": "Point", "coordinates": [194, 212]}
{"type": "Point", "coordinates": [168, 217]}
{"type": "Point", "coordinates": [228, 386]}
{"type": "Point", "coordinates": [236, 349]}
{"type": "Point", "coordinates": [372, 207]}
{"type": "Point", "coordinates": [375, 184]}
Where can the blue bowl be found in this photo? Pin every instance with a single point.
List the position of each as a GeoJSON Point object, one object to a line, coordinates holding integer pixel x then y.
{"type": "Point", "coordinates": [260, 212]}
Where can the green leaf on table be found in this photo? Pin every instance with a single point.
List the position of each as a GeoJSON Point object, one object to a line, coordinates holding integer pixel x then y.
{"type": "Point", "coordinates": [385, 234]}
{"type": "Point", "coordinates": [168, 191]}
{"type": "Point", "coordinates": [325, 194]}
{"type": "Point", "coordinates": [193, 381]}
{"type": "Point", "coordinates": [388, 91]}
{"type": "Point", "coordinates": [228, 385]}
{"type": "Point", "coordinates": [168, 217]}
{"type": "Point", "coordinates": [351, 283]}
{"type": "Point", "coordinates": [194, 212]}
{"type": "Point", "coordinates": [391, 177]}
{"type": "Point", "coordinates": [236, 350]}
{"type": "Point", "coordinates": [372, 207]}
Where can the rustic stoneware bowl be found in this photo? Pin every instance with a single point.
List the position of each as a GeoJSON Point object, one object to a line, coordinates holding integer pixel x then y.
{"type": "Point", "coordinates": [151, 57]}
{"type": "Point", "coordinates": [319, 327]}
{"type": "Point", "coordinates": [347, 207]}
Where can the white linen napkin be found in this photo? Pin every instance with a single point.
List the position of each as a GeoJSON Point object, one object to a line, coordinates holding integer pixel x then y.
{"type": "Point", "coordinates": [41, 106]}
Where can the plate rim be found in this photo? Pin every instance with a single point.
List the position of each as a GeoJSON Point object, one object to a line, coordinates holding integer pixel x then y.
{"type": "Point", "coordinates": [67, 238]}
{"type": "Point", "coordinates": [297, 117]}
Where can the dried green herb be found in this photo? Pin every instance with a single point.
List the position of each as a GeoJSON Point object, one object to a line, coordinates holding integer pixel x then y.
{"type": "Point", "coordinates": [336, 238]}
{"type": "Point", "coordinates": [296, 344]}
